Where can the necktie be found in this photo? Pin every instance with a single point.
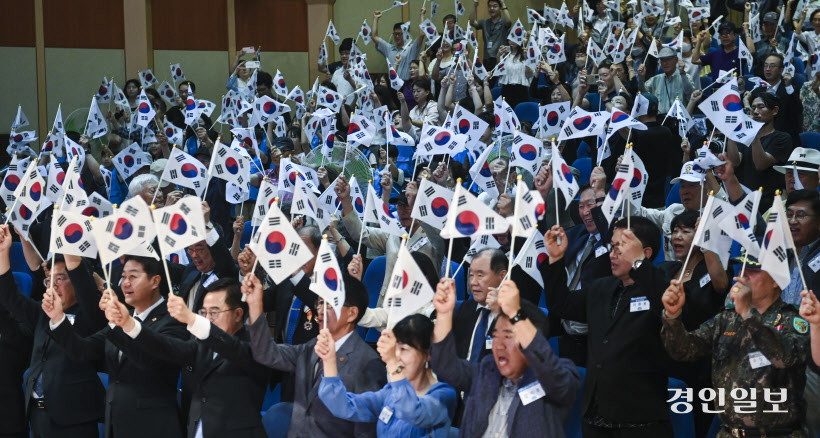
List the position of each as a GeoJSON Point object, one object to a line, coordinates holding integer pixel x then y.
{"type": "Point", "coordinates": [480, 333]}
{"type": "Point", "coordinates": [202, 278]}
{"type": "Point", "coordinates": [576, 275]}
{"type": "Point", "coordinates": [293, 319]}
{"type": "Point", "coordinates": [38, 385]}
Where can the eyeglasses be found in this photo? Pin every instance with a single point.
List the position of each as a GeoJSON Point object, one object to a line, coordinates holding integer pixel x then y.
{"type": "Point", "coordinates": [58, 279]}
{"type": "Point", "coordinates": [799, 216]}
{"type": "Point", "coordinates": [213, 314]}
{"type": "Point", "coordinates": [196, 250]}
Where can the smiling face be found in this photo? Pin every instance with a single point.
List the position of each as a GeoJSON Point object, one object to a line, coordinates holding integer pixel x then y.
{"type": "Point", "coordinates": [494, 9]}
{"type": "Point", "coordinates": [200, 256]}
{"type": "Point", "coordinates": [344, 56]}
{"type": "Point", "coordinates": [556, 96]}
{"type": "Point", "coordinates": [411, 360]}
{"type": "Point", "coordinates": [414, 70]}
{"type": "Point", "coordinates": [398, 37]}
{"type": "Point", "coordinates": [62, 284]}
{"type": "Point", "coordinates": [807, 178]}
{"type": "Point", "coordinates": [803, 223]}
{"type": "Point", "coordinates": [585, 205]}
{"type": "Point", "coordinates": [509, 358]}
{"type": "Point", "coordinates": [140, 289]}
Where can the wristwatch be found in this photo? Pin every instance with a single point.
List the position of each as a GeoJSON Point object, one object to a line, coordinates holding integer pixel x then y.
{"type": "Point", "coordinates": [637, 263]}
{"type": "Point", "coordinates": [520, 316]}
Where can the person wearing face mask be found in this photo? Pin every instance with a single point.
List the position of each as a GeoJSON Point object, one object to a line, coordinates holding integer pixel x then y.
{"type": "Point", "coordinates": [413, 404]}
{"type": "Point", "coordinates": [692, 69]}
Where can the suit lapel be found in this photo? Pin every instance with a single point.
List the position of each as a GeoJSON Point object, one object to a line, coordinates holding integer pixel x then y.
{"type": "Point", "coordinates": [619, 309]}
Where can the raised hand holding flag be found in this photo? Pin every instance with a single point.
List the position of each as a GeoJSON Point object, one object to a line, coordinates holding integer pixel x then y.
{"type": "Point", "coordinates": [408, 290]}
{"type": "Point", "coordinates": [327, 280]}
{"type": "Point", "coordinates": [277, 246]}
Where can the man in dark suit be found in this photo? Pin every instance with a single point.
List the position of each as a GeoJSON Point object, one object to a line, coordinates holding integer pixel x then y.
{"type": "Point", "coordinates": [229, 384]}
{"type": "Point", "coordinates": [586, 259]}
{"type": "Point", "coordinates": [359, 366]}
{"type": "Point", "coordinates": [475, 317]}
{"type": "Point", "coordinates": [625, 390]}
{"type": "Point", "coordinates": [142, 390]}
{"type": "Point", "coordinates": [15, 352]}
{"type": "Point", "coordinates": [63, 396]}
{"type": "Point", "coordinates": [789, 119]}
{"type": "Point", "coordinates": [210, 260]}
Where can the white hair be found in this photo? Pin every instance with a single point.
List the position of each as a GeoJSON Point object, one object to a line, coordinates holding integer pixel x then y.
{"type": "Point", "coordinates": [139, 182]}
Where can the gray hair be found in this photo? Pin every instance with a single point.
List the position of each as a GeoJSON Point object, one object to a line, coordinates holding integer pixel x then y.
{"type": "Point", "coordinates": [139, 182]}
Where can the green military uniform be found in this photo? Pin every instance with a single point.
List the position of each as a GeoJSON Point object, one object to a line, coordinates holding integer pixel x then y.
{"type": "Point", "coordinates": [736, 346]}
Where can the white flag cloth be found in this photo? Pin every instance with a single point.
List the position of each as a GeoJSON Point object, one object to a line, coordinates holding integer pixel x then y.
{"type": "Point", "coordinates": [471, 217]}
{"type": "Point", "coordinates": [30, 190]}
{"type": "Point", "coordinates": [395, 81]}
{"type": "Point", "coordinates": [176, 73]}
{"type": "Point", "coordinates": [394, 136]}
{"type": "Point", "coordinates": [331, 32]}
{"type": "Point", "coordinates": [54, 185]}
{"type": "Point", "coordinates": [266, 109]}
{"type": "Point", "coordinates": [620, 187]}
{"type": "Point", "coordinates": [147, 78]}
{"type": "Point", "coordinates": [185, 170]}
{"type": "Point", "coordinates": [130, 160]}
{"type": "Point", "coordinates": [96, 126]}
{"type": "Point", "coordinates": [705, 160]}
{"type": "Point", "coordinates": [436, 140]}
{"type": "Point", "coordinates": [130, 227]}
{"type": "Point", "coordinates": [557, 53]}
{"type": "Point", "coordinates": [95, 206]}
{"type": "Point", "coordinates": [14, 175]}
{"type": "Point", "coordinates": [327, 280]}
{"type": "Point", "coordinates": [365, 32]}
{"type": "Point", "coordinates": [776, 244]}
{"type": "Point", "coordinates": [279, 85]}
{"type": "Point", "coordinates": [428, 28]}
{"type": "Point", "coordinates": [192, 110]}
{"type": "Point", "coordinates": [740, 225]}
{"type": "Point", "coordinates": [329, 99]}
{"type": "Point", "coordinates": [619, 120]}
{"type": "Point", "coordinates": [517, 33]}
{"type": "Point", "coordinates": [482, 175]}
{"type": "Point", "coordinates": [640, 178]}
{"type": "Point", "coordinates": [551, 117]}
{"type": "Point", "coordinates": [531, 256]}
{"type": "Point", "coordinates": [230, 165]}
{"type": "Point", "coordinates": [179, 225]}
{"type": "Point", "coordinates": [640, 107]}
{"type": "Point", "coordinates": [685, 121]}
{"type": "Point", "coordinates": [174, 134]}
{"type": "Point", "coordinates": [168, 93]}
{"type": "Point", "coordinates": [408, 290]}
{"type": "Point", "coordinates": [145, 111]}
{"type": "Point", "coordinates": [74, 196]}
{"type": "Point", "coordinates": [526, 152]}
{"type": "Point", "coordinates": [73, 149]}
{"type": "Point", "coordinates": [529, 209]}
{"type": "Point", "coordinates": [305, 202]}
{"type": "Point", "coordinates": [744, 53]}
{"type": "Point", "coordinates": [289, 172]}
{"type": "Point", "coordinates": [357, 198]}
{"type": "Point", "coordinates": [360, 131]}
{"type": "Point", "coordinates": [432, 203]}
{"type": "Point", "coordinates": [725, 109]}
{"type": "Point", "coordinates": [466, 123]}
{"type": "Point", "coordinates": [378, 212]}
{"type": "Point", "coordinates": [709, 235]}
{"type": "Point", "coordinates": [71, 234]}
{"type": "Point", "coordinates": [297, 95]}
{"type": "Point", "coordinates": [265, 197]}
{"type": "Point", "coordinates": [278, 247]}
{"type": "Point", "coordinates": [595, 53]}
{"type": "Point", "coordinates": [20, 119]}
{"type": "Point", "coordinates": [580, 123]}
{"type": "Point", "coordinates": [506, 121]}
{"type": "Point", "coordinates": [562, 176]}
{"type": "Point", "coordinates": [533, 52]}
{"type": "Point", "coordinates": [478, 243]}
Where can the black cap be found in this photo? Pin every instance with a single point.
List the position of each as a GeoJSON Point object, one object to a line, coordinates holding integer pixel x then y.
{"type": "Point", "coordinates": [400, 199]}
{"type": "Point", "coordinates": [282, 143]}
{"type": "Point", "coordinates": [727, 25]}
{"type": "Point", "coordinates": [203, 151]}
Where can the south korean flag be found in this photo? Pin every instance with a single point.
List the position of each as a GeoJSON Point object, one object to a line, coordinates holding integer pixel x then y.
{"type": "Point", "coordinates": [529, 209]}
{"type": "Point", "coordinates": [551, 117]}
{"type": "Point", "coordinates": [278, 247]}
{"type": "Point", "coordinates": [432, 204]}
{"type": "Point", "coordinates": [305, 203]}
{"type": "Point", "coordinates": [71, 235]}
{"type": "Point", "coordinates": [408, 290]}
{"type": "Point", "coordinates": [471, 217]}
{"type": "Point", "coordinates": [526, 152]}
{"type": "Point", "coordinates": [264, 199]}
{"type": "Point", "coordinates": [327, 281]}
{"type": "Point", "coordinates": [230, 165]}
{"type": "Point", "coordinates": [119, 234]}
{"type": "Point", "coordinates": [725, 109]}
{"type": "Point", "coordinates": [479, 243]}
{"type": "Point", "coordinates": [582, 123]}
{"type": "Point", "coordinates": [179, 225]}
{"type": "Point", "coordinates": [185, 170]}
{"type": "Point", "coordinates": [378, 212]}
{"type": "Point", "coordinates": [532, 255]}
{"type": "Point", "coordinates": [130, 160]}
{"type": "Point", "coordinates": [466, 123]}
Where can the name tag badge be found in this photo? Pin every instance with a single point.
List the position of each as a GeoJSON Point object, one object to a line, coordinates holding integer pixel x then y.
{"type": "Point", "coordinates": [601, 250]}
{"type": "Point", "coordinates": [419, 243]}
{"type": "Point", "coordinates": [758, 360]}
{"type": "Point", "coordinates": [814, 263]}
{"type": "Point", "coordinates": [70, 318]}
{"type": "Point", "coordinates": [488, 343]}
{"type": "Point", "coordinates": [489, 44]}
{"type": "Point", "coordinates": [531, 393]}
{"type": "Point", "coordinates": [705, 280]}
{"type": "Point", "coordinates": [386, 415]}
{"type": "Point", "coordinates": [638, 304]}
{"type": "Point", "coordinates": [211, 278]}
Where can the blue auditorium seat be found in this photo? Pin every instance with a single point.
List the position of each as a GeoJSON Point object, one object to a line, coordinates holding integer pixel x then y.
{"type": "Point", "coordinates": [374, 278]}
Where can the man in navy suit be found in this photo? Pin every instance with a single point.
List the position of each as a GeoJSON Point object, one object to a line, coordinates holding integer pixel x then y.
{"type": "Point", "coordinates": [586, 259]}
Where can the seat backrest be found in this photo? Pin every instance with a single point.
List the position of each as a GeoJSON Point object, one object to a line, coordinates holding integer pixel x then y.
{"type": "Point", "coordinates": [276, 420]}
{"type": "Point", "coordinates": [374, 278]}
{"type": "Point", "coordinates": [527, 111]}
{"type": "Point", "coordinates": [24, 282]}
{"type": "Point", "coordinates": [674, 195]}
{"type": "Point", "coordinates": [17, 259]}
{"type": "Point", "coordinates": [584, 165]}
{"type": "Point", "coordinates": [810, 140]}
{"type": "Point", "coordinates": [495, 92]}
{"type": "Point", "coordinates": [573, 427]}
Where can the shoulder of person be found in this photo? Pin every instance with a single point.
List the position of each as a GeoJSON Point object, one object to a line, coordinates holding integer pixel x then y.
{"type": "Point", "coordinates": [791, 321]}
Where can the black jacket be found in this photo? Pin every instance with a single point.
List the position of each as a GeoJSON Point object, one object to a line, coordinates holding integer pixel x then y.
{"type": "Point", "coordinates": [627, 368]}
{"type": "Point", "coordinates": [15, 352]}
{"type": "Point", "coordinates": [70, 385]}
{"type": "Point", "coordinates": [229, 388]}
{"type": "Point", "coordinates": [141, 399]}
{"type": "Point", "coordinates": [224, 267]}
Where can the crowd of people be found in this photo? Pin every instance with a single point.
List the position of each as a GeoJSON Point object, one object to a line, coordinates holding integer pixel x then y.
{"type": "Point", "coordinates": [616, 304]}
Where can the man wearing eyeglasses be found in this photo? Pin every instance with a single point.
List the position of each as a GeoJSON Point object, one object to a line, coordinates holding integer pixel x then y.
{"type": "Point", "coordinates": [63, 395]}
{"type": "Point", "coordinates": [229, 385]}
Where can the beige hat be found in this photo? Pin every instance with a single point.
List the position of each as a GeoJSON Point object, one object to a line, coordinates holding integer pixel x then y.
{"type": "Point", "coordinates": [157, 167]}
{"type": "Point", "coordinates": [803, 159]}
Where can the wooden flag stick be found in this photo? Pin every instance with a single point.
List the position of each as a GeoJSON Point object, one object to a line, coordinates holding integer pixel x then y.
{"type": "Point", "coordinates": [361, 231]}
{"type": "Point", "coordinates": [392, 305]}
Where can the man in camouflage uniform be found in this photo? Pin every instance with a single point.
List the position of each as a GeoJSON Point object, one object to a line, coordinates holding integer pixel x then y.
{"type": "Point", "coordinates": [758, 343]}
